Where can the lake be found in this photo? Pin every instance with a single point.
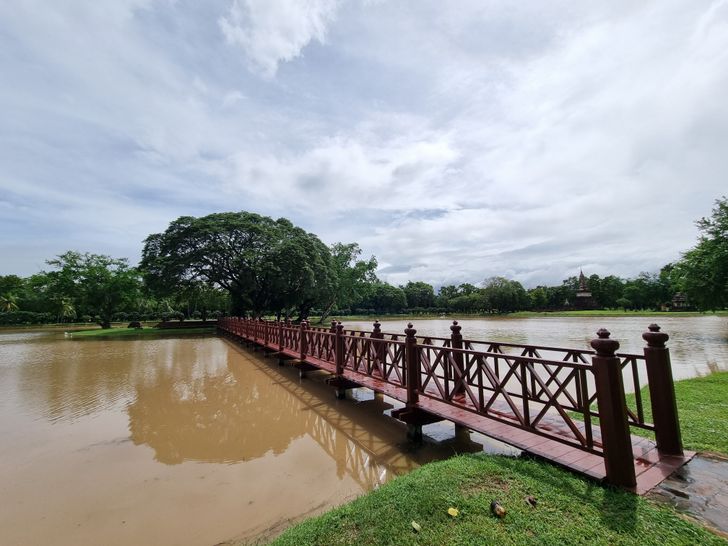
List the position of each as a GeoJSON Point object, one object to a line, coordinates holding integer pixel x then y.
{"type": "Point", "coordinates": [196, 440]}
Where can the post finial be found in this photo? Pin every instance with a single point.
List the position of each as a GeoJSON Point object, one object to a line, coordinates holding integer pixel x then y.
{"type": "Point", "coordinates": [410, 331]}
{"type": "Point", "coordinates": [654, 337]}
{"type": "Point", "coordinates": [377, 327]}
{"type": "Point", "coordinates": [455, 328]}
{"type": "Point", "coordinates": [603, 345]}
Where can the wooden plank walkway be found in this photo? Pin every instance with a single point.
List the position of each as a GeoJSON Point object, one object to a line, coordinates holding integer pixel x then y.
{"type": "Point", "coordinates": [651, 467]}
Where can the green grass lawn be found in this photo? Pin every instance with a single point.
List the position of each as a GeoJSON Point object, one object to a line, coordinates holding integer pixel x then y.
{"type": "Point", "coordinates": [134, 332]}
{"type": "Point", "coordinates": [569, 510]}
{"type": "Point", "coordinates": [612, 313]}
{"type": "Point", "coordinates": [702, 405]}
{"type": "Point", "coordinates": [524, 314]}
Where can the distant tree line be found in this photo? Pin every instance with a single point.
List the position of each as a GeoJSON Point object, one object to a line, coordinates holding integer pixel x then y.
{"type": "Point", "coordinates": [244, 263]}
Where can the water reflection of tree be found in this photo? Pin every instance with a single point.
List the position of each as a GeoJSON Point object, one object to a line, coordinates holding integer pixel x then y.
{"type": "Point", "coordinates": [234, 416]}
{"type": "Point", "coordinates": [254, 408]}
{"type": "Point", "coordinates": [64, 379]}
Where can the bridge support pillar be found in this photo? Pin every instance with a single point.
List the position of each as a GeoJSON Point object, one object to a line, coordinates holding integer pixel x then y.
{"type": "Point", "coordinates": [414, 433]}
{"type": "Point", "coordinates": [462, 432]}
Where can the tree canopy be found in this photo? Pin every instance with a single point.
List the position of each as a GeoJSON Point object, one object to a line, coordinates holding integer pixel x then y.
{"type": "Point", "coordinates": [703, 271]}
{"type": "Point", "coordinates": [97, 283]}
{"type": "Point", "coordinates": [265, 264]}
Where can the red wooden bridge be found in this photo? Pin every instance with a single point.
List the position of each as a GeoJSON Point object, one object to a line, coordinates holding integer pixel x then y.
{"type": "Point", "coordinates": [565, 405]}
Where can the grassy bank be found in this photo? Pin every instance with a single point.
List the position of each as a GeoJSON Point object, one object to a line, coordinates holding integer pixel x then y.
{"type": "Point", "coordinates": [702, 404]}
{"type": "Point", "coordinates": [569, 510]}
{"type": "Point", "coordinates": [523, 314]}
{"type": "Point", "coordinates": [614, 313]}
{"type": "Point", "coordinates": [135, 332]}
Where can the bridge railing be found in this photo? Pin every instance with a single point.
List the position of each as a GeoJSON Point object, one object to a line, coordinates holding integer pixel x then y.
{"type": "Point", "coordinates": [550, 391]}
{"type": "Point", "coordinates": [531, 393]}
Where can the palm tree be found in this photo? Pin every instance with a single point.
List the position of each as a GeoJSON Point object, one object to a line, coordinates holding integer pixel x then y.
{"type": "Point", "coordinates": [8, 302]}
{"type": "Point", "coordinates": [65, 308]}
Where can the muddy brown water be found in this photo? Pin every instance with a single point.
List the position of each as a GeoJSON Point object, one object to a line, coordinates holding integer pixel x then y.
{"type": "Point", "coordinates": [181, 441]}
{"type": "Point", "coordinates": [196, 440]}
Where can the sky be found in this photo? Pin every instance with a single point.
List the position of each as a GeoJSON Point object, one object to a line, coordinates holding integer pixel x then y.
{"type": "Point", "coordinates": [454, 141]}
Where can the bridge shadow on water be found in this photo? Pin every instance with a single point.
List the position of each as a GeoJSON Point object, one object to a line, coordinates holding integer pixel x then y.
{"type": "Point", "coordinates": [252, 408]}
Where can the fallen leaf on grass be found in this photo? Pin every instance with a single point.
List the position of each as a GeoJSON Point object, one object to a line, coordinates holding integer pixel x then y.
{"type": "Point", "coordinates": [454, 512]}
{"type": "Point", "coordinates": [531, 500]}
{"type": "Point", "coordinates": [416, 527]}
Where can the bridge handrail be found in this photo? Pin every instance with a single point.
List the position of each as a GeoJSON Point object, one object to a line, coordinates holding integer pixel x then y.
{"type": "Point", "coordinates": [454, 368]}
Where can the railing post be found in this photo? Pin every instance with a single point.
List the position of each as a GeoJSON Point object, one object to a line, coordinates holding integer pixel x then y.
{"type": "Point", "coordinates": [339, 348]}
{"type": "Point", "coordinates": [456, 342]}
{"type": "Point", "coordinates": [304, 341]}
{"type": "Point", "coordinates": [412, 366]}
{"type": "Point", "coordinates": [616, 440]}
{"type": "Point", "coordinates": [279, 322]}
{"type": "Point", "coordinates": [662, 392]}
{"type": "Point", "coordinates": [256, 332]}
{"type": "Point", "coordinates": [379, 348]}
{"type": "Point", "coordinates": [265, 333]}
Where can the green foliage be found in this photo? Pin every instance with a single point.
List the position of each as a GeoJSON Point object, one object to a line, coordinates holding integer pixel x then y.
{"type": "Point", "coordinates": [419, 294]}
{"type": "Point", "coordinates": [538, 297]}
{"type": "Point", "coordinates": [144, 332]}
{"type": "Point", "coordinates": [354, 278]}
{"type": "Point", "coordinates": [606, 291]}
{"type": "Point", "coordinates": [98, 284]}
{"type": "Point", "coordinates": [198, 300]}
{"type": "Point", "coordinates": [647, 291]}
{"type": "Point", "coordinates": [385, 298]}
{"type": "Point", "coordinates": [569, 510]}
{"type": "Point", "coordinates": [504, 296]}
{"type": "Point", "coordinates": [265, 264]}
{"type": "Point", "coordinates": [8, 302]}
{"type": "Point", "coordinates": [25, 317]}
{"type": "Point", "coordinates": [703, 271]}
{"type": "Point", "coordinates": [10, 284]}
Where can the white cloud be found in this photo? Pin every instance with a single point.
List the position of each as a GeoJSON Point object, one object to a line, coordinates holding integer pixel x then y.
{"type": "Point", "coordinates": [453, 142]}
{"type": "Point", "coordinates": [350, 174]}
{"type": "Point", "coordinates": [274, 31]}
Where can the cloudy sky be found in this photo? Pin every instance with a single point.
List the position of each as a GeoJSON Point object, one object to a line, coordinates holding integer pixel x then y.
{"type": "Point", "coordinates": [452, 140]}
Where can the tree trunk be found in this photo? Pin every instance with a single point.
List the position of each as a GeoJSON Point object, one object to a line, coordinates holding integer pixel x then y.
{"type": "Point", "coordinates": [327, 312]}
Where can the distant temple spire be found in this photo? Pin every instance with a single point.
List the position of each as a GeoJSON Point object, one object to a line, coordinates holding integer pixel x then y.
{"type": "Point", "coordinates": [584, 298]}
{"type": "Point", "coordinates": [582, 282]}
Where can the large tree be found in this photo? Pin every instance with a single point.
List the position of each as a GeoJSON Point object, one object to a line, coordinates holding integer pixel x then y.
{"type": "Point", "coordinates": [265, 264]}
{"type": "Point", "coordinates": [419, 294]}
{"type": "Point", "coordinates": [703, 271]}
{"type": "Point", "coordinates": [385, 298]}
{"type": "Point", "coordinates": [99, 285]}
{"type": "Point", "coordinates": [504, 296]}
{"type": "Point", "coordinates": [353, 278]}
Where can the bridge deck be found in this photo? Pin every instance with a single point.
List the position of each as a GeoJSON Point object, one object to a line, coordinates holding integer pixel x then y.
{"type": "Point", "coordinates": [651, 467]}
